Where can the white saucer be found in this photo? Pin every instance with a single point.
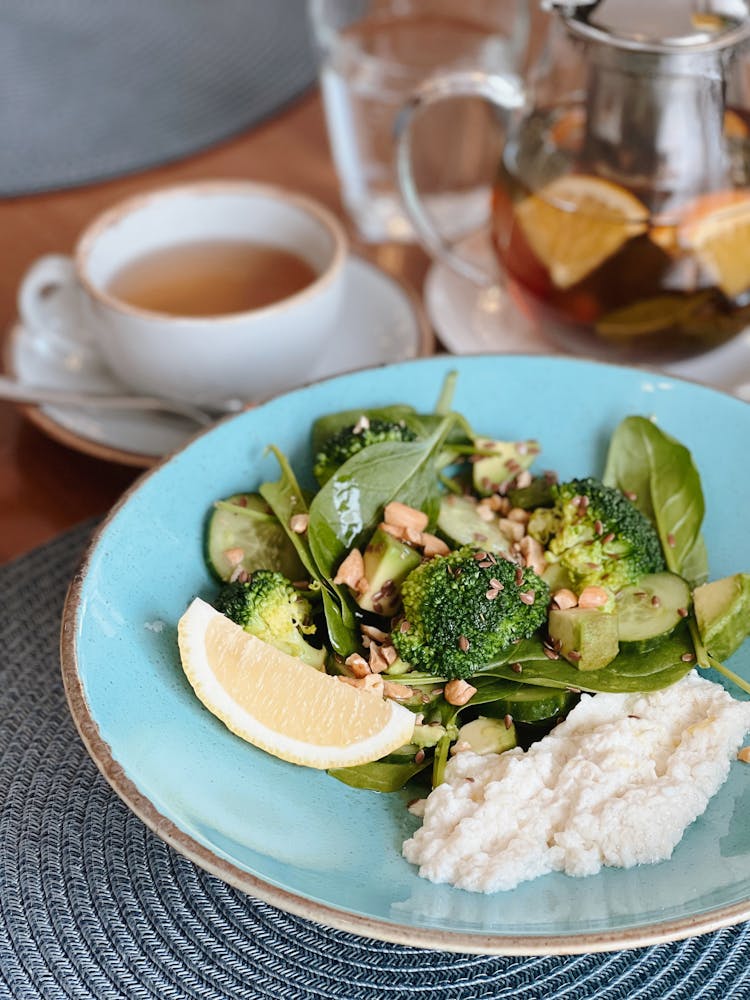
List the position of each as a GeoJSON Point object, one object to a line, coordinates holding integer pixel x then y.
{"type": "Point", "coordinates": [473, 320]}
{"type": "Point", "coordinates": [381, 321]}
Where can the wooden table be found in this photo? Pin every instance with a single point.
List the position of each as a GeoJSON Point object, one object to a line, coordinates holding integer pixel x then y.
{"type": "Point", "coordinates": [46, 487]}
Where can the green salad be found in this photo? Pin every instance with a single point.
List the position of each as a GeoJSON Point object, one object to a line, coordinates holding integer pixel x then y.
{"type": "Point", "coordinates": [453, 573]}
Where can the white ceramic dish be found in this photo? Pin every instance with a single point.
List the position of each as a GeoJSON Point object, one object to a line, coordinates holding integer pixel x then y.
{"type": "Point", "coordinates": [381, 322]}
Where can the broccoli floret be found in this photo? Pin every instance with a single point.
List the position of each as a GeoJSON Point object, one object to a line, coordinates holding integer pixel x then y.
{"type": "Point", "coordinates": [462, 610]}
{"type": "Point", "coordinates": [352, 439]}
{"type": "Point", "coordinates": [269, 607]}
{"type": "Point", "coordinates": [597, 535]}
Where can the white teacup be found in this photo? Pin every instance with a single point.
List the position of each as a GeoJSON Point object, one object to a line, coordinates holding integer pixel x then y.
{"type": "Point", "coordinates": [65, 302]}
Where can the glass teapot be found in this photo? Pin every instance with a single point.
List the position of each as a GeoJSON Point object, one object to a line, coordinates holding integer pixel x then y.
{"type": "Point", "coordinates": [621, 207]}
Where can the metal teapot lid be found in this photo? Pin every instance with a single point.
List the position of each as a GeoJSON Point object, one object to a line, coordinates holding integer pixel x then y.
{"type": "Point", "coordinates": [658, 25]}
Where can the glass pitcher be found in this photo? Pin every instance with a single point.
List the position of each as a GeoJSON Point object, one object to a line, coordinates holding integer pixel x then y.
{"type": "Point", "coordinates": [620, 216]}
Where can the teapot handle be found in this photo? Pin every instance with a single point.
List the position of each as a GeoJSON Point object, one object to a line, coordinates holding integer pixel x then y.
{"type": "Point", "coordinates": [503, 91]}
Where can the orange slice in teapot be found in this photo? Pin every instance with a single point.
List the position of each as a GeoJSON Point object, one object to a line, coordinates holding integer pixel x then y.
{"type": "Point", "coordinates": [577, 222]}
{"type": "Point", "coordinates": [716, 228]}
{"type": "Point", "coordinates": [735, 126]}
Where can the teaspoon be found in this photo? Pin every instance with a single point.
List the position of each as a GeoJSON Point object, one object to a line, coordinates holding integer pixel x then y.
{"type": "Point", "coordinates": [17, 392]}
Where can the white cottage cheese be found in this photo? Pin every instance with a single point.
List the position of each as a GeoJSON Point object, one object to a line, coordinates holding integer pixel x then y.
{"type": "Point", "coordinates": [615, 784]}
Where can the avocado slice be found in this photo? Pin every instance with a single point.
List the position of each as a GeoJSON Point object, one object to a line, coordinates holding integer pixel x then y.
{"type": "Point", "coordinates": [722, 613]}
{"type": "Point", "coordinates": [388, 561]}
{"type": "Point", "coordinates": [508, 458]}
{"type": "Point", "coordinates": [587, 636]}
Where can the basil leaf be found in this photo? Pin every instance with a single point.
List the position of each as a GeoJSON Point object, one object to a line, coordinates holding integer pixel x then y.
{"type": "Point", "coordinates": [627, 673]}
{"type": "Point", "coordinates": [378, 776]}
{"type": "Point", "coordinates": [348, 508]}
{"type": "Point", "coordinates": [645, 461]}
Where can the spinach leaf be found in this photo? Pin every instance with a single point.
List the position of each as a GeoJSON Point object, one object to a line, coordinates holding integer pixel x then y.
{"type": "Point", "coordinates": [285, 498]}
{"type": "Point", "coordinates": [662, 474]}
{"type": "Point", "coordinates": [645, 461]}
{"type": "Point", "coordinates": [628, 672]}
{"type": "Point", "coordinates": [695, 563]}
{"type": "Point", "coordinates": [348, 508]}
{"type": "Point", "coordinates": [341, 624]}
{"type": "Point", "coordinates": [447, 391]}
{"type": "Point", "coordinates": [379, 776]}
{"type": "Point", "coordinates": [422, 424]}
{"type": "Point", "coordinates": [525, 651]}
{"type": "Point", "coordinates": [491, 688]}
{"type": "Point", "coordinates": [649, 463]}
{"type": "Point", "coordinates": [328, 425]}
{"type": "Point", "coordinates": [440, 760]}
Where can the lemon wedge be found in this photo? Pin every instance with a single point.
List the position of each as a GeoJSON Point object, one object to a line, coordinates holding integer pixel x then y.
{"type": "Point", "coordinates": [577, 222]}
{"type": "Point", "coordinates": [280, 704]}
{"type": "Point", "coordinates": [717, 229]}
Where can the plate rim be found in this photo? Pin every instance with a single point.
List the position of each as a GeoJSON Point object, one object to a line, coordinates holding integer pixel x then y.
{"type": "Point", "coordinates": [462, 942]}
{"type": "Point", "coordinates": [425, 342]}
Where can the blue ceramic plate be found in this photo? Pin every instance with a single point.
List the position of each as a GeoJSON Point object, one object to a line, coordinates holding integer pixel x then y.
{"type": "Point", "coordinates": [298, 838]}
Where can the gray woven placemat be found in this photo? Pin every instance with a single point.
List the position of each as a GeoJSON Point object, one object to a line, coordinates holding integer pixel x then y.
{"type": "Point", "coordinates": [95, 88]}
{"type": "Point", "coordinates": [93, 905]}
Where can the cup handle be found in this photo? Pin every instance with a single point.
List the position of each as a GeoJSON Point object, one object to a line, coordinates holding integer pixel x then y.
{"type": "Point", "coordinates": [503, 91]}
{"type": "Point", "coordinates": [49, 308]}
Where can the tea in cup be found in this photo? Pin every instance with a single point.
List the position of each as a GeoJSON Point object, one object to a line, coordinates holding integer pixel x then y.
{"type": "Point", "coordinates": [200, 292]}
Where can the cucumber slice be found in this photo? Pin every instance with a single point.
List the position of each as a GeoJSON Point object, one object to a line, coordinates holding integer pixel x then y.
{"type": "Point", "coordinates": [650, 610]}
{"type": "Point", "coordinates": [244, 521]}
{"type": "Point", "coordinates": [530, 703]}
{"type": "Point", "coordinates": [460, 524]}
{"type": "Point", "coordinates": [488, 735]}
{"type": "Point", "coordinates": [401, 755]}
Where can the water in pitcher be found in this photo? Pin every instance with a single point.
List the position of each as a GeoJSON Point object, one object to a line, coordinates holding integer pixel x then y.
{"type": "Point", "coordinates": [368, 73]}
{"type": "Point", "coordinates": [615, 269]}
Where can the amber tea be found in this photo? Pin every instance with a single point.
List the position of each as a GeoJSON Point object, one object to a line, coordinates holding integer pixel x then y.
{"type": "Point", "coordinates": [616, 271]}
{"type": "Point", "coordinates": [211, 278]}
